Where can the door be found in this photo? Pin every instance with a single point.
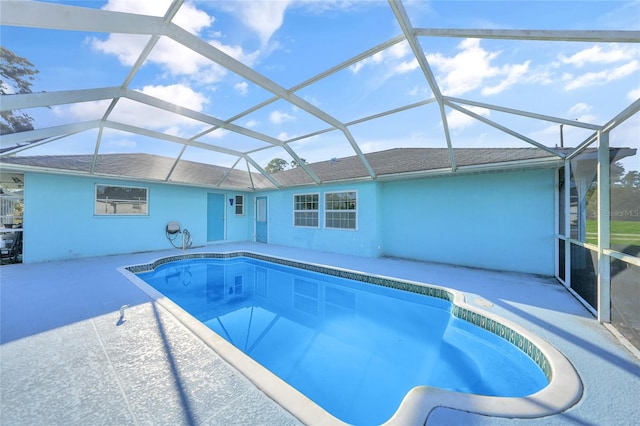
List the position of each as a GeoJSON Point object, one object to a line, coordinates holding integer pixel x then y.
{"type": "Point", "coordinates": [215, 217]}
{"type": "Point", "coordinates": [261, 219]}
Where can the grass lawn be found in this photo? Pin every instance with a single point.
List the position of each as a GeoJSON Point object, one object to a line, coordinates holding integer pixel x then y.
{"type": "Point", "coordinates": [622, 232]}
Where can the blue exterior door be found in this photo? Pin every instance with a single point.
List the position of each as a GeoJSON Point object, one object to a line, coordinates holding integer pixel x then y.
{"type": "Point", "coordinates": [215, 217]}
{"type": "Point", "coordinates": [261, 219]}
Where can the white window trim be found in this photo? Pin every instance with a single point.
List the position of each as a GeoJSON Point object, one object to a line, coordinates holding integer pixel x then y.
{"type": "Point", "coordinates": [324, 207]}
{"type": "Point", "coordinates": [307, 211]}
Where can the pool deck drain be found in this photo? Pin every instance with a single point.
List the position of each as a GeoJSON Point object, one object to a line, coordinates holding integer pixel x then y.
{"type": "Point", "coordinates": [66, 358]}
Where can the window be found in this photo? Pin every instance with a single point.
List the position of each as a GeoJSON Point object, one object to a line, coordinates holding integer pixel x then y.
{"type": "Point", "coordinates": [305, 210]}
{"type": "Point", "coordinates": [239, 205]}
{"type": "Point", "coordinates": [340, 210]}
{"type": "Point", "coordinates": [121, 200]}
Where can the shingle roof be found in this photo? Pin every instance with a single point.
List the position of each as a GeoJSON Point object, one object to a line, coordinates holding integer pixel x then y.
{"type": "Point", "coordinates": [384, 163]}
{"type": "Point", "coordinates": [409, 160]}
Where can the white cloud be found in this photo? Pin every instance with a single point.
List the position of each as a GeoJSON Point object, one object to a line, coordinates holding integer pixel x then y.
{"type": "Point", "coordinates": [582, 112]}
{"type": "Point", "coordinates": [242, 88]}
{"type": "Point", "coordinates": [188, 16]}
{"type": "Point", "coordinates": [513, 74]}
{"type": "Point", "coordinates": [579, 108]}
{"type": "Point", "coordinates": [634, 95]}
{"type": "Point", "coordinates": [458, 120]}
{"type": "Point", "coordinates": [278, 117]}
{"type": "Point", "coordinates": [471, 68]}
{"type": "Point", "coordinates": [83, 111]}
{"type": "Point", "coordinates": [406, 66]}
{"type": "Point", "coordinates": [601, 77]}
{"type": "Point", "coordinates": [264, 17]}
{"type": "Point", "coordinates": [599, 55]}
{"type": "Point", "coordinates": [393, 58]}
{"type": "Point", "coordinates": [178, 94]}
{"type": "Point", "coordinates": [251, 123]}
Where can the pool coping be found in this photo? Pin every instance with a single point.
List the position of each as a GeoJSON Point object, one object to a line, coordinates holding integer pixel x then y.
{"type": "Point", "coordinates": [563, 391]}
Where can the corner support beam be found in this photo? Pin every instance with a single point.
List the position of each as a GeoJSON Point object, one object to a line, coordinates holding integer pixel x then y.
{"type": "Point", "coordinates": [604, 228]}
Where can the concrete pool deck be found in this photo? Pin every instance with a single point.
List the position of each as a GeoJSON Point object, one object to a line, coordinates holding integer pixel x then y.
{"type": "Point", "coordinates": [67, 358]}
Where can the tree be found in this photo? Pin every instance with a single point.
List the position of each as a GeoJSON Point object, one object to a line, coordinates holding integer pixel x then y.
{"type": "Point", "coordinates": [276, 165]}
{"type": "Point", "coordinates": [17, 75]}
{"type": "Point", "coordinates": [631, 179]}
{"type": "Point", "coordinates": [295, 164]}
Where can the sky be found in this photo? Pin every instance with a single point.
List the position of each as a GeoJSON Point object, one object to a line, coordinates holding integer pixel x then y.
{"type": "Point", "coordinates": [291, 42]}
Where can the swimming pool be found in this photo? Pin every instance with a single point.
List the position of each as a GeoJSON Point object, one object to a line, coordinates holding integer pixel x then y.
{"type": "Point", "coordinates": [361, 346]}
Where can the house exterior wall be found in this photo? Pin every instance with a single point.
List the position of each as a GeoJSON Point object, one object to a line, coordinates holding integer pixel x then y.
{"type": "Point", "coordinates": [239, 227]}
{"type": "Point", "coordinates": [503, 221]}
{"type": "Point", "coordinates": [363, 241]}
{"type": "Point", "coordinates": [59, 219]}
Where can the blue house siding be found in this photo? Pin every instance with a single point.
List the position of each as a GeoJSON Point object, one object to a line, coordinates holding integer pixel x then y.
{"type": "Point", "coordinates": [499, 221]}
{"type": "Point", "coordinates": [60, 223]}
{"type": "Point", "coordinates": [363, 241]}
{"type": "Point", "coordinates": [239, 227]}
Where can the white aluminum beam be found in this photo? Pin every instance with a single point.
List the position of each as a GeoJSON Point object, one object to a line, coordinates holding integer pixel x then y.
{"type": "Point", "coordinates": [409, 33]}
{"type": "Point", "coordinates": [208, 51]}
{"type": "Point", "coordinates": [185, 112]}
{"type": "Point", "coordinates": [170, 138]}
{"type": "Point", "coordinates": [567, 223]}
{"type": "Point", "coordinates": [525, 113]}
{"type": "Point", "coordinates": [46, 99]}
{"type": "Point", "coordinates": [622, 116]}
{"type": "Point", "coordinates": [391, 111]}
{"type": "Point", "coordinates": [176, 139]}
{"type": "Point", "coordinates": [49, 132]}
{"type": "Point", "coordinates": [262, 171]}
{"type": "Point", "coordinates": [543, 35]}
{"type": "Point", "coordinates": [504, 129]}
{"type": "Point", "coordinates": [61, 17]}
{"type": "Point", "coordinates": [604, 228]}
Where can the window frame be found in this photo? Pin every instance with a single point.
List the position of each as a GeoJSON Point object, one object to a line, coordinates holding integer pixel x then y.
{"type": "Point", "coordinates": [240, 204]}
{"type": "Point", "coordinates": [96, 200]}
{"type": "Point", "coordinates": [327, 211]}
{"type": "Point", "coordinates": [297, 211]}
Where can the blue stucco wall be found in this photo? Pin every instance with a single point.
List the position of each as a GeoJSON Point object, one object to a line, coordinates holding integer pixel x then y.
{"type": "Point", "coordinates": [499, 221]}
{"type": "Point", "coordinates": [239, 227]}
{"type": "Point", "coordinates": [59, 218]}
{"type": "Point", "coordinates": [364, 241]}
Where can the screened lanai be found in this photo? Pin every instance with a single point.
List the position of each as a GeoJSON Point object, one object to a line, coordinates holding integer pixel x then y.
{"type": "Point", "coordinates": [263, 96]}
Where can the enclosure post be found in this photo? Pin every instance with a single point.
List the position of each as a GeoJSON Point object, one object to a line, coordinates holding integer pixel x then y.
{"type": "Point", "coordinates": [567, 223]}
{"type": "Point", "coordinates": [604, 231]}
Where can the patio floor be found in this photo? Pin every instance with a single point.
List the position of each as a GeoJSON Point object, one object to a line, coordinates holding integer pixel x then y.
{"type": "Point", "coordinates": [65, 358]}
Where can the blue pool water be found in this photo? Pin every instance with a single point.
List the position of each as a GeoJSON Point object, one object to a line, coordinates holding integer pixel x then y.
{"type": "Point", "coordinates": [355, 349]}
